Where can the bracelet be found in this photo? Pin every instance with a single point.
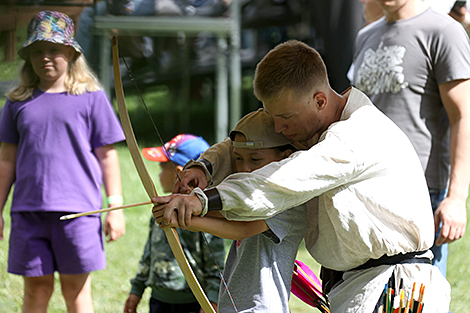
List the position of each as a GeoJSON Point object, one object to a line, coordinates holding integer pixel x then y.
{"type": "Point", "coordinates": [115, 199]}
{"type": "Point", "coordinates": [202, 197]}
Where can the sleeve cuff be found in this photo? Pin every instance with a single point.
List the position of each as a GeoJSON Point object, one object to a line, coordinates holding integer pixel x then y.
{"type": "Point", "coordinates": [137, 288]}
{"type": "Point", "coordinates": [202, 197]}
{"type": "Point", "coordinates": [205, 165]}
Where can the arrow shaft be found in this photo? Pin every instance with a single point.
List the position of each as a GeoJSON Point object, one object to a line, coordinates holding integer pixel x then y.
{"type": "Point", "coordinates": [104, 210]}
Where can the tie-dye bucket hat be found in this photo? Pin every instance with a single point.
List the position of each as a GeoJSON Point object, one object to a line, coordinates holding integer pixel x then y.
{"type": "Point", "coordinates": [51, 26]}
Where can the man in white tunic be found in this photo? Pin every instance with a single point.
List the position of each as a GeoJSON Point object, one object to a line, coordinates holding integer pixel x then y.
{"type": "Point", "coordinates": [356, 162]}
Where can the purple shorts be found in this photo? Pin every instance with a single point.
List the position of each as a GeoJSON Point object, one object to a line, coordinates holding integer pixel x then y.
{"type": "Point", "coordinates": [40, 244]}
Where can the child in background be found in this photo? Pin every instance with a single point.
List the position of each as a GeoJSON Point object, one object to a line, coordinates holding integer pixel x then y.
{"type": "Point", "coordinates": [158, 268]}
{"type": "Point", "coordinates": [57, 131]}
{"type": "Point", "coordinates": [258, 269]}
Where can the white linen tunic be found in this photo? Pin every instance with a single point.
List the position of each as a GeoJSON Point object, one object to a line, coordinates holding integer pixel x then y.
{"type": "Point", "coordinates": [367, 196]}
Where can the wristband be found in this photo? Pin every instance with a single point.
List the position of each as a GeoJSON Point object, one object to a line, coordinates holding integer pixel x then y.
{"type": "Point", "coordinates": [202, 197]}
{"type": "Point", "coordinates": [115, 199]}
{"type": "Point", "coordinates": [204, 165]}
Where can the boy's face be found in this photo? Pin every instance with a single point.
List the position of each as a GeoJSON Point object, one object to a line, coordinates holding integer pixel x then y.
{"type": "Point", "coordinates": [167, 176]}
{"type": "Point", "coordinates": [248, 160]}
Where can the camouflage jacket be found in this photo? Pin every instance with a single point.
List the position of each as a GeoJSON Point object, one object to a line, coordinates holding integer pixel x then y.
{"type": "Point", "coordinates": [159, 270]}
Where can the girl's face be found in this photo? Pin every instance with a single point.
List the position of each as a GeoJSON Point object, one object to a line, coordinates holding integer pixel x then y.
{"type": "Point", "coordinates": [50, 62]}
{"type": "Point", "coordinates": [248, 160]}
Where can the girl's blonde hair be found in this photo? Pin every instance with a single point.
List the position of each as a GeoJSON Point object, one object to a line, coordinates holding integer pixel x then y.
{"type": "Point", "coordinates": [80, 79]}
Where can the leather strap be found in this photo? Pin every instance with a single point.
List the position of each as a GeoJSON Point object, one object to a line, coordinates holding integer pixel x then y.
{"type": "Point", "coordinates": [410, 257]}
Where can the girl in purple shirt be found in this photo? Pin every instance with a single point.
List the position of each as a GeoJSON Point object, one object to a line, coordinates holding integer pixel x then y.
{"type": "Point", "coordinates": [57, 131]}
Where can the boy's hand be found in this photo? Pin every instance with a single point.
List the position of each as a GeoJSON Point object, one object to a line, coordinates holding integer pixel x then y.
{"type": "Point", "coordinates": [131, 304]}
{"type": "Point", "coordinates": [185, 205]}
{"type": "Point", "coordinates": [190, 179]}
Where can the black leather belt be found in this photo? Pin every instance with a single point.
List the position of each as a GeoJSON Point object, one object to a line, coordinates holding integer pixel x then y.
{"type": "Point", "coordinates": [331, 277]}
{"type": "Point", "coordinates": [410, 257]}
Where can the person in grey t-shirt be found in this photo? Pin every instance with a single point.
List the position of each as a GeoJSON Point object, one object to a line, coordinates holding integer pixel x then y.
{"type": "Point", "coordinates": [414, 64]}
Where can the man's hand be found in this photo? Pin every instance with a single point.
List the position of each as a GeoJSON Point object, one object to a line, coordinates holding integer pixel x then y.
{"type": "Point", "coordinates": [453, 216]}
{"type": "Point", "coordinates": [185, 205]}
{"type": "Point", "coordinates": [131, 304]}
{"type": "Point", "coordinates": [190, 178]}
{"type": "Point", "coordinates": [114, 225]}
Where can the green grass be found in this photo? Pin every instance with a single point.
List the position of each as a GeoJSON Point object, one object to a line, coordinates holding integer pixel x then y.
{"type": "Point", "coordinates": [458, 270]}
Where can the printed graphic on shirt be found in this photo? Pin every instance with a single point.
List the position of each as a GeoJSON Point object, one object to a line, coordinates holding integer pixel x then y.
{"type": "Point", "coordinates": [381, 70]}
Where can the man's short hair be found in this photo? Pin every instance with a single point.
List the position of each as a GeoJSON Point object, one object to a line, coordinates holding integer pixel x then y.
{"type": "Point", "coordinates": [292, 66]}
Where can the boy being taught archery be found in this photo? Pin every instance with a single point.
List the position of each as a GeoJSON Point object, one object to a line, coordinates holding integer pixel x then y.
{"type": "Point", "coordinates": [258, 269]}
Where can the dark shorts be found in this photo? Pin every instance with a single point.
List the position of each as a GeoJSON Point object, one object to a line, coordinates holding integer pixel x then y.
{"type": "Point", "coordinates": [162, 307]}
{"type": "Point", "coordinates": [40, 244]}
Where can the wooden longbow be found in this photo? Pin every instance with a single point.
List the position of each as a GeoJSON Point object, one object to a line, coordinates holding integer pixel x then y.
{"type": "Point", "coordinates": [170, 233]}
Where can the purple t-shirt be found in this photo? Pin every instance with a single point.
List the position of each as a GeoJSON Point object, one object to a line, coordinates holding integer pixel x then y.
{"type": "Point", "coordinates": [56, 133]}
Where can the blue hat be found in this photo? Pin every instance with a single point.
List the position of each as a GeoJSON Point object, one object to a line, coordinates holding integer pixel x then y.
{"type": "Point", "coordinates": [181, 149]}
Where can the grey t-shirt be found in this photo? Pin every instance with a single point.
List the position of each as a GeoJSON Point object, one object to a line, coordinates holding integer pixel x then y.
{"type": "Point", "coordinates": [258, 270]}
{"type": "Point", "coordinates": [400, 66]}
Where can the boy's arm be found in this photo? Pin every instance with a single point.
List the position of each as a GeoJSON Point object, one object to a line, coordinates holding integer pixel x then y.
{"type": "Point", "coordinates": [234, 230]}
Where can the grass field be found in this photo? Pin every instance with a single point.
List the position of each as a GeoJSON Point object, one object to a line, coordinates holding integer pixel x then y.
{"type": "Point", "coordinates": [111, 286]}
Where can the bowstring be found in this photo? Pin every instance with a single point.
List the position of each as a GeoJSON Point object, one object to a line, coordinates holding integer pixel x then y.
{"type": "Point", "coordinates": [129, 73]}
{"type": "Point", "coordinates": [220, 272]}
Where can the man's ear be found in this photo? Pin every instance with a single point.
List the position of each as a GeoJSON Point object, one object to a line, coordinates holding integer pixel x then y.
{"type": "Point", "coordinates": [320, 99]}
